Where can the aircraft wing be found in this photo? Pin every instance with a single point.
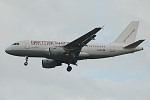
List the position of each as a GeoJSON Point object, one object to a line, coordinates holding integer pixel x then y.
{"type": "Point", "coordinates": [83, 40]}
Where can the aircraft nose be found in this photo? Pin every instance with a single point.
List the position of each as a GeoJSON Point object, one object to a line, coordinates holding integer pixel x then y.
{"type": "Point", "coordinates": [8, 50]}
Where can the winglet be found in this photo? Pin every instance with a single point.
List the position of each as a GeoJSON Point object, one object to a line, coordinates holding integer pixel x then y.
{"type": "Point", "coordinates": [134, 45]}
{"type": "Point", "coordinates": [102, 27]}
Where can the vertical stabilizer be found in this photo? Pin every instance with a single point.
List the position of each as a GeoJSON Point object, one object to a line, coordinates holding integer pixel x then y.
{"type": "Point", "coordinates": [129, 34]}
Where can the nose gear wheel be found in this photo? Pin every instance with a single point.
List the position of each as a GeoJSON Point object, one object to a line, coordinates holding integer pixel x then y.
{"type": "Point", "coordinates": [26, 62]}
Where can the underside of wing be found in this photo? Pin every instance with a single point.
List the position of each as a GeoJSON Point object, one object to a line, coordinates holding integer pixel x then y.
{"type": "Point", "coordinates": [83, 40]}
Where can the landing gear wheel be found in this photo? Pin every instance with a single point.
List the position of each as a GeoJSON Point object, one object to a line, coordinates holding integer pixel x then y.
{"type": "Point", "coordinates": [26, 63]}
{"type": "Point", "coordinates": [69, 68]}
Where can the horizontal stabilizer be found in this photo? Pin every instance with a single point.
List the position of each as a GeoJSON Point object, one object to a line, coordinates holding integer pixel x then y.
{"type": "Point", "coordinates": [134, 45]}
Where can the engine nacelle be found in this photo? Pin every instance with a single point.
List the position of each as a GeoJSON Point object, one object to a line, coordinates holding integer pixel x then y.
{"type": "Point", "coordinates": [50, 63]}
{"type": "Point", "coordinates": [56, 51]}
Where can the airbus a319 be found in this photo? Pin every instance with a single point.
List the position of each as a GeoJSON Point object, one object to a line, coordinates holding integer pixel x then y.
{"type": "Point", "coordinates": [56, 53]}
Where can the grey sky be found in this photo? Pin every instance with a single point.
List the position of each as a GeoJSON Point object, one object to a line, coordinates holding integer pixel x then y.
{"type": "Point", "coordinates": [120, 78]}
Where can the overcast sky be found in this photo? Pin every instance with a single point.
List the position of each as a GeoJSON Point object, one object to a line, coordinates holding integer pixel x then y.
{"type": "Point", "coordinates": [124, 77]}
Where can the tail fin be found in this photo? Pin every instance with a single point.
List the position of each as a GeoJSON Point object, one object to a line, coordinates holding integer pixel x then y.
{"type": "Point", "coordinates": [129, 34]}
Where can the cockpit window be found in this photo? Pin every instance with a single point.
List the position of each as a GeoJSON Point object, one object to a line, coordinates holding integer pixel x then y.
{"type": "Point", "coordinates": [15, 44]}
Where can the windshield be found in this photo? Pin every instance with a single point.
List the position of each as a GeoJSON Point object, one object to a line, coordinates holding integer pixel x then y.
{"type": "Point", "coordinates": [15, 44]}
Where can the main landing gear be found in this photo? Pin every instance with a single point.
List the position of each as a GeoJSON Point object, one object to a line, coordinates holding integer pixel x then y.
{"type": "Point", "coordinates": [69, 68]}
{"type": "Point", "coordinates": [26, 62]}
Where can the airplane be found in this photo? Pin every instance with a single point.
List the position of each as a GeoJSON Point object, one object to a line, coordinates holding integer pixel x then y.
{"type": "Point", "coordinates": [56, 53]}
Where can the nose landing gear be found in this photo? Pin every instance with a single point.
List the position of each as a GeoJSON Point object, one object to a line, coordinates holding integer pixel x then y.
{"type": "Point", "coordinates": [26, 62]}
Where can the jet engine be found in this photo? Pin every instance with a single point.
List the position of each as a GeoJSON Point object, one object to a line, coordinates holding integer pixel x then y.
{"type": "Point", "coordinates": [50, 63]}
{"type": "Point", "coordinates": [56, 51]}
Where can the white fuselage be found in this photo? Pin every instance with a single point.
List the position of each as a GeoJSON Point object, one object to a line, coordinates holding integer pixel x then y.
{"type": "Point", "coordinates": [90, 51]}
